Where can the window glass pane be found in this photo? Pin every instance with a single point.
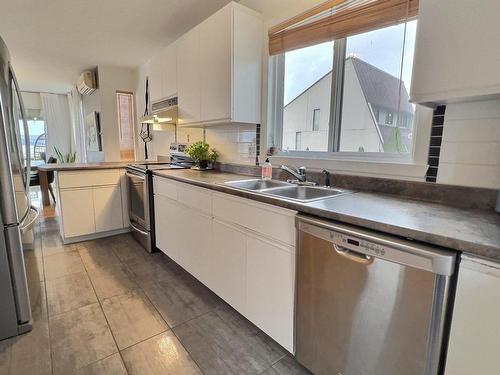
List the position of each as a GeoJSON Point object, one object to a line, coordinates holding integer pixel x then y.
{"type": "Point", "coordinates": [376, 113]}
{"type": "Point", "coordinates": [124, 102]}
{"type": "Point", "coordinates": [36, 128]}
{"type": "Point", "coordinates": [316, 113]}
{"type": "Point", "coordinates": [307, 90]}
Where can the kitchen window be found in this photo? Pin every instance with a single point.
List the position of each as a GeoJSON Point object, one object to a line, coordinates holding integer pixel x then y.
{"type": "Point", "coordinates": [125, 110]}
{"type": "Point", "coordinates": [359, 83]}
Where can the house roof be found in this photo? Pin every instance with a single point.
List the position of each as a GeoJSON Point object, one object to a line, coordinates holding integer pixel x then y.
{"type": "Point", "coordinates": [380, 88]}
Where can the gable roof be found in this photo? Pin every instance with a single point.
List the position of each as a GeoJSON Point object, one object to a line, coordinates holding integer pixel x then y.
{"type": "Point", "coordinates": [380, 88]}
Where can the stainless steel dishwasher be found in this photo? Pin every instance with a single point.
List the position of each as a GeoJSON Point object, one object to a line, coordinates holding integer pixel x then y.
{"type": "Point", "coordinates": [369, 304]}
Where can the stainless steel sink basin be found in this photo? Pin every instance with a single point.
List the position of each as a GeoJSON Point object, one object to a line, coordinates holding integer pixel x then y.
{"type": "Point", "coordinates": [257, 184]}
{"type": "Point", "coordinates": [286, 190]}
{"type": "Point", "coordinates": [306, 193]}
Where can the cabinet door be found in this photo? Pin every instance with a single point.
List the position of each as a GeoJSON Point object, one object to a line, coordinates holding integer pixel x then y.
{"type": "Point", "coordinates": [227, 265]}
{"type": "Point", "coordinates": [196, 253]}
{"type": "Point", "coordinates": [108, 211]}
{"type": "Point", "coordinates": [167, 226]}
{"type": "Point", "coordinates": [77, 212]}
{"type": "Point", "coordinates": [188, 76]}
{"type": "Point", "coordinates": [475, 328]}
{"type": "Point", "coordinates": [270, 286]}
{"type": "Point", "coordinates": [215, 56]}
{"type": "Point", "coordinates": [169, 69]}
{"type": "Point", "coordinates": [156, 78]}
{"type": "Point", "coordinates": [453, 55]}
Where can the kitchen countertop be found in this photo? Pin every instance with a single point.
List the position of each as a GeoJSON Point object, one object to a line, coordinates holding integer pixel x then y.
{"type": "Point", "coordinates": [83, 166]}
{"type": "Point", "coordinates": [471, 231]}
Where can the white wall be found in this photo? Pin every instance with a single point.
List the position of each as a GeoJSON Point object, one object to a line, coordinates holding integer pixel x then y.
{"type": "Point", "coordinates": [90, 104]}
{"type": "Point", "coordinates": [111, 79]}
{"type": "Point", "coordinates": [470, 149]}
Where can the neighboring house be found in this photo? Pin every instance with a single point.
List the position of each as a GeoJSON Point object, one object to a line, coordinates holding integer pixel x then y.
{"type": "Point", "coordinates": [370, 118]}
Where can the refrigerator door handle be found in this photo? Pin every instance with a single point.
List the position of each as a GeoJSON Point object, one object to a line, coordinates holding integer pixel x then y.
{"type": "Point", "coordinates": [26, 227]}
{"type": "Point", "coordinates": [26, 136]}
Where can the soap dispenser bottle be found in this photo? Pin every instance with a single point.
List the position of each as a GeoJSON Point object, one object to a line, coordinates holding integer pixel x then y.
{"type": "Point", "coordinates": [267, 170]}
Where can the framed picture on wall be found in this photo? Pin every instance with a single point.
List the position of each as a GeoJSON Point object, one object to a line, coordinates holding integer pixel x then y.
{"type": "Point", "coordinates": [93, 132]}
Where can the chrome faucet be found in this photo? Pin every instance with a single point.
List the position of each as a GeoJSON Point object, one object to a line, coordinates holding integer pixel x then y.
{"type": "Point", "coordinates": [299, 174]}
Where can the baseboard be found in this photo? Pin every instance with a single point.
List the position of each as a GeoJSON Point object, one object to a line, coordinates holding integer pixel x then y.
{"type": "Point", "coordinates": [94, 236]}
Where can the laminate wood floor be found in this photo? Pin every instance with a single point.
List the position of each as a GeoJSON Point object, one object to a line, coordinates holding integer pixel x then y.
{"type": "Point", "coordinates": [108, 307]}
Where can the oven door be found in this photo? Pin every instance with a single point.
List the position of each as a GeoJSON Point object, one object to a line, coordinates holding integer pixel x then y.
{"type": "Point", "coordinates": [138, 199]}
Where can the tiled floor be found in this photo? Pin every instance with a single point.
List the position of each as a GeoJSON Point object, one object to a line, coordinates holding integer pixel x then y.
{"type": "Point", "coordinates": [107, 307]}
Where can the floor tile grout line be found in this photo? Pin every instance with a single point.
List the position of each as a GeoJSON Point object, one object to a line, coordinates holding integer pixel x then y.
{"type": "Point", "coordinates": [168, 325]}
{"type": "Point", "coordinates": [105, 318]}
{"type": "Point", "coordinates": [146, 339]}
{"type": "Point", "coordinates": [46, 301]}
{"type": "Point", "coordinates": [161, 316]}
{"type": "Point", "coordinates": [274, 363]}
{"type": "Point", "coordinates": [94, 362]}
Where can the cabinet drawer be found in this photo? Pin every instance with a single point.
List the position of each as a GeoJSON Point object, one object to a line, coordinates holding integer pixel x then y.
{"type": "Point", "coordinates": [274, 222]}
{"type": "Point", "coordinates": [165, 187]}
{"type": "Point", "coordinates": [68, 180]}
{"type": "Point", "coordinates": [195, 197]}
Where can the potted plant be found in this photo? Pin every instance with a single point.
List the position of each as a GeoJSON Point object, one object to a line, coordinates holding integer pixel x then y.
{"type": "Point", "coordinates": [67, 158]}
{"type": "Point", "coordinates": [203, 156]}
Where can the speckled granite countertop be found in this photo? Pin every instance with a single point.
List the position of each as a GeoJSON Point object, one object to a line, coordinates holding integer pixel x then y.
{"type": "Point", "coordinates": [83, 166]}
{"type": "Point", "coordinates": [472, 231]}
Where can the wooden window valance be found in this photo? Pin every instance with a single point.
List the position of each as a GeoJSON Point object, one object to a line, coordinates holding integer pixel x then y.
{"type": "Point", "coordinates": [335, 19]}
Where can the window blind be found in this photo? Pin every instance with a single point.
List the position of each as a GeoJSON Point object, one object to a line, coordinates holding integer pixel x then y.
{"type": "Point", "coordinates": [336, 19]}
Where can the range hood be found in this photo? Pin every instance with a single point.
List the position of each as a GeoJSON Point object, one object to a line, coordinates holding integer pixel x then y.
{"type": "Point", "coordinates": [163, 111]}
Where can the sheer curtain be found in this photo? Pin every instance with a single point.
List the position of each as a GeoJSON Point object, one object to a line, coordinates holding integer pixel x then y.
{"type": "Point", "coordinates": [77, 125]}
{"type": "Point", "coordinates": [55, 112]}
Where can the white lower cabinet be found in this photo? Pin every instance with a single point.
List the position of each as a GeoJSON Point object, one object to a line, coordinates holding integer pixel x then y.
{"type": "Point", "coordinates": [197, 243]}
{"type": "Point", "coordinates": [168, 240]}
{"type": "Point", "coordinates": [226, 244]}
{"type": "Point", "coordinates": [227, 265]}
{"type": "Point", "coordinates": [270, 270]}
{"type": "Point", "coordinates": [475, 328]}
{"type": "Point", "coordinates": [91, 203]}
{"type": "Point", "coordinates": [78, 212]}
{"type": "Point", "coordinates": [107, 208]}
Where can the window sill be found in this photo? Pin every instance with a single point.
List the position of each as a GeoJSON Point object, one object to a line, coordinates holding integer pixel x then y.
{"type": "Point", "coordinates": [401, 170]}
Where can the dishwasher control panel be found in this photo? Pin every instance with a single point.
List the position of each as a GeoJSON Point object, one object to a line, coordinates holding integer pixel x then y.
{"type": "Point", "coordinates": [357, 244]}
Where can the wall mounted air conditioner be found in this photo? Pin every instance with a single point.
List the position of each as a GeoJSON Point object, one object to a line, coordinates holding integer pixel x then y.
{"type": "Point", "coordinates": [86, 83]}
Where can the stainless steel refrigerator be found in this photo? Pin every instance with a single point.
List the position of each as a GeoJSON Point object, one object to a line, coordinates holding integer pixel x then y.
{"type": "Point", "coordinates": [17, 216]}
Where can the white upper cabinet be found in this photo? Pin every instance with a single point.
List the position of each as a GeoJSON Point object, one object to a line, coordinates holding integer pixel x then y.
{"type": "Point", "coordinates": [215, 60]}
{"type": "Point", "coordinates": [220, 69]}
{"type": "Point", "coordinates": [163, 73]}
{"type": "Point", "coordinates": [456, 53]}
{"type": "Point", "coordinates": [188, 77]}
{"type": "Point", "coordinates": [155, 78]}
{"type": "Point", "coordinates": [169, 69]}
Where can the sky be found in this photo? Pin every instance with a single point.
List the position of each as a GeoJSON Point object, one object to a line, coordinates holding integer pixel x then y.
{"type": "Point", "coordinates": [382, 48]}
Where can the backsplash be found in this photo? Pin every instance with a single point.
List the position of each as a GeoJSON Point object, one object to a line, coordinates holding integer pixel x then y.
{"type": "Point", "coordinates": [236, 143]}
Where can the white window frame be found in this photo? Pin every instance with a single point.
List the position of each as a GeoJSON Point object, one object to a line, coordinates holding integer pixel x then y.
{"type": "Point", "coordinates": [409, 166]}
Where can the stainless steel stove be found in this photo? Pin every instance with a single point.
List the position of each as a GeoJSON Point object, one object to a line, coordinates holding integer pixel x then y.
{"type": "Point", "coordinates": [140, 194]}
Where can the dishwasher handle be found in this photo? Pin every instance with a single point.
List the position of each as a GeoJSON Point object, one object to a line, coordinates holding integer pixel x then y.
{"type": "Point", "coordinates": [353, 255]}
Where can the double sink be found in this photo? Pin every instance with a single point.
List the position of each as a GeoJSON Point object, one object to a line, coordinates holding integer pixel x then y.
{"type": "Point", "coordinates": [286, 190]}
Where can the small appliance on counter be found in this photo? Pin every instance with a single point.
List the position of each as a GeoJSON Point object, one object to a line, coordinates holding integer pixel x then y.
{"type": "Point", "coordinates": [140, 193]}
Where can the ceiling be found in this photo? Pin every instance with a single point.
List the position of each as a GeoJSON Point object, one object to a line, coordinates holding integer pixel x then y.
{"type": "Point", "coordinates": [52, 41]}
